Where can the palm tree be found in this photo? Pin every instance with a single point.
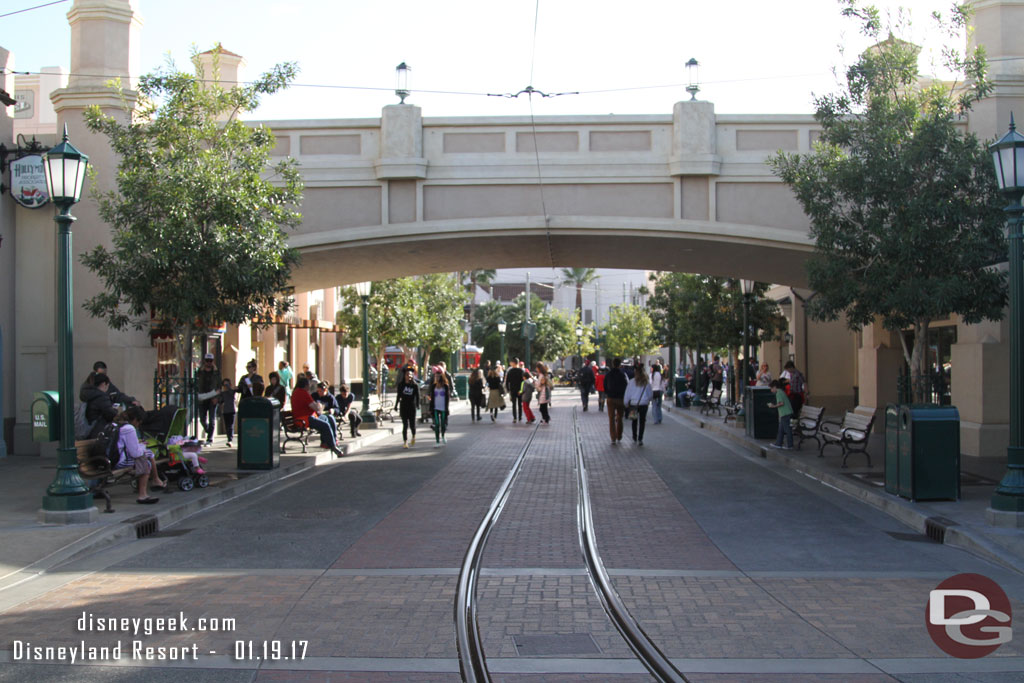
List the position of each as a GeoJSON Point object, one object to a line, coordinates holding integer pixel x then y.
{"type": "Point", "coordinates": [579, 277]}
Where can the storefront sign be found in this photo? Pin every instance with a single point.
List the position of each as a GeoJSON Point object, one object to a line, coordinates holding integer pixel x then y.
{"type": "Point", "coordinates": [28, 182]}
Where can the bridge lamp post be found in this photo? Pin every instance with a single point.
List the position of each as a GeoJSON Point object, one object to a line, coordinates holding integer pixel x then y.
{"type": "Point", "coordinates": [67, 498]}
{"type": "Point", "coordinates": [693, 78]}
{"type": "Point", "coordinates": [502, 327]}
{"type": "Point", "coordinates": [402, 82]}
{"type": "Point", "coordinates": [579, 344]}
{"type": "Point", "coordinates": [1008, 155]}
{"type": "Point", "coordinates": [747, 287]}
{"type": "Point", "coordinates": [363, 290]}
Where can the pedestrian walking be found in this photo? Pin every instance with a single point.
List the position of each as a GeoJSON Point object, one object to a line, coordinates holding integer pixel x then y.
{"type": "Point", "coordinates": [637, 399]}
{"type": "Point", "coordinates": [207, 388]}
{"type": "Point", "coordinates": [785, 416]}
{"type": "Point", "coordinates": [543, 392]}
{"type": "Point", "coordinates": [476, 395]}
{"type": "Point", "coordinates": [657, 393]}
{"type": "Point", "coordinates": [599, 374]}
{"type": "Point", "coordinates": [615, 383]}
{"type": "Point", "coordinates": [407, 397]}
{"type": "Point", "coordinates": [764, 376]}
{"type": "Point", "coordinates": [529, 388]}
{"type": "Point", "coordinates": [717, 374]}
{"type": "Point", "coordinates": [284, 371]}
{"type": "Point", "coordinates": [227, 408]}
{"type": "Point", "coordinates": [495, 396]}
{"type": "Point", "coordinates": [585, 382]}
{"type": "Point", "coordinates": [514, 386]}
{"type": "Point", "coordinates": [440, 397]}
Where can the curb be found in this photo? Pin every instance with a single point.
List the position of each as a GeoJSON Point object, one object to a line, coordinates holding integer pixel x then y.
{"type": "Point", "coordinates": [954, 536]}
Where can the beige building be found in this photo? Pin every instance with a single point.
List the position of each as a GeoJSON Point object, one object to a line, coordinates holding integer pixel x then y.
{"type": "Point", "coordinates": [684, 191]}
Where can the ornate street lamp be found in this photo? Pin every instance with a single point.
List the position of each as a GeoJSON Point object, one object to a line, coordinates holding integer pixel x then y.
{"type": "Point", "coordinates": [579, 343]}
{"type": "Point", "coordinates": [402, 82]}
{"type": "Point", "coordinates": [502, 327]}
{"type": "Point", "coordinates": [693, 78]}
{"type": "Point", "coordinates": [747, 287]}
{"type": "Point", "coordinates": [363, 290]}
{"type": "Point", "coordinates": [67, 498]}
{"type": "Point", "coordinates": [1008, 155]}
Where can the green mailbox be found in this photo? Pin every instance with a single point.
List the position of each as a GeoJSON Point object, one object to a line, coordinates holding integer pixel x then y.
{"type": "Point", "coordinates": [929, 452]}
{"type": "Point", "coordinates": [892, 448]}
{"type": "Point", "coordinates": [462, 386]}
{"type": "Point", "coordinates": [46, 416]}
{"type": "Point", "coordinates": [259, 421]}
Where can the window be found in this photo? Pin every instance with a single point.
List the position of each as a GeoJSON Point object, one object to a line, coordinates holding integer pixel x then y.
{"type": "Point", "coordinates": [939, 352]}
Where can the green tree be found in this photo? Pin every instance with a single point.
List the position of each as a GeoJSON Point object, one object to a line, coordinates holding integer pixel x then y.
{"type": "Point", "coordinates": [482, 278]}
{"type": "Point", "coordinates": [394, 315]}
{"type": "Point", "coordinates": [198, 214]}
{"type": "Point", "coordinates": [442, 299]}
{"type": "Point", "coordinates": [578, 278]}
{"type": "Point", "coordinates": [556, 330]}
{"type": "Point", "coordinates": [629, 332]}
{"type": "Point", "coordinates": [903, 206]}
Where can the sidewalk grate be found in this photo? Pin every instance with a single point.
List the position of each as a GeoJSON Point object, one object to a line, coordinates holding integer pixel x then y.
{"type": "Point", "coordinates": [145, 525]}
{"type": "Point", "coordinates": [556, 645]}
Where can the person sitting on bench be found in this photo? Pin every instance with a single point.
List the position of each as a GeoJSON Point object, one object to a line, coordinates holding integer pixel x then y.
{"type": "Point", "coordinates": [134, 454]}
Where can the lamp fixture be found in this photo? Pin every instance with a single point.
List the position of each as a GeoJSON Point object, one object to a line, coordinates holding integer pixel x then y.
{"type": "Point", "coordinates": [693, 78]}
{"type": "Point", "coordinates": [402, 82]}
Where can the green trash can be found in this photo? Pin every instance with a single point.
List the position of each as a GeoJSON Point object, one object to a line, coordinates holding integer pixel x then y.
{"type": "Point", "coordinates": [892, 448]}
{"type": "Point", "coordinates": [680, 390]}
{"type": "Point", "coordinates": [762, 420]}
{"type": "Point", "coordinates": [462, 386]}
{"type": "Point", "coordinates": [929, 452]}
{"type": "Point", "coordinates": [259, 421]}
{"type": "Point", "coordinates": [46, 416]}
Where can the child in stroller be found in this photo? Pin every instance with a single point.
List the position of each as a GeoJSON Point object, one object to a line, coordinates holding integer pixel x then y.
{"type": "Point", "coordinates": [165, 430]}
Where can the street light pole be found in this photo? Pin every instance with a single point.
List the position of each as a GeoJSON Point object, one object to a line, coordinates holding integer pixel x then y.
{"type": "Point", "coordinates": [363, 290]}
{"type": "Point", "coordinates": [1008, 500]}
{"type": "Point", "coordinates": [747, 287]}
{"type": "Point", "coordinates": [67, 498]}
{"type": "Point", "coordinates": [502, 326]}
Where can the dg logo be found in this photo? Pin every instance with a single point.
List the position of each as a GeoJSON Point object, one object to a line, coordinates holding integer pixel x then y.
{"type": "Point", "coordinates": [969, 616]}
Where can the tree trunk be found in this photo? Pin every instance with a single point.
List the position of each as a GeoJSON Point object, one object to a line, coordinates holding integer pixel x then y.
{"type": "Point", "coordinates": [579, 300]}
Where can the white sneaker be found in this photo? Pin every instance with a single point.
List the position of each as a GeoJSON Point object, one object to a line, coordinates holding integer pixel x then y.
{"type": "Point", "coordinates": [405, 444]}
{"type": "Point", "coordinates": [229, 444]}
{"type": "Point", "coordinates": [444, 440]}
{"type": "Point", "coordinates": [437, 445]}
{"type": "Point", "coordinates": [413, 441]}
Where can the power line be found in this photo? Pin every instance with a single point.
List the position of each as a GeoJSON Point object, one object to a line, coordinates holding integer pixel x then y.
{"type": "Point", "coordinates": [29, 9]}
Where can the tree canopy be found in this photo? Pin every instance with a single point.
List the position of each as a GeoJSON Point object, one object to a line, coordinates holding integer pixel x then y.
{"type": "Point", "coordinates": [198, 214]}
{"type": "Point", "coordinates": [902, 201]}
{"type": "Point", "coordinates": [629, 332]}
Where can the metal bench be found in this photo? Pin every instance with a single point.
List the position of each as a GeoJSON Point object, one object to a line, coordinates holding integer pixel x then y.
{"type": "Point", "coordinates": [96, 473]}
{"type": "Point", "coordinates": [294, 431]}
{"type": "Point", "coordinates": [713, 402]}
{"type": "Point", "coordinates": [851, 435]}
{"type": "Point", "coordinates": [808, 425]}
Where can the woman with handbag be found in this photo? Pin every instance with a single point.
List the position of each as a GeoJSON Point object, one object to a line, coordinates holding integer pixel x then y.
{"type": "Point", "coordinates": [637, 399]}
{"type": "Point", "coordinates": [496, 397]}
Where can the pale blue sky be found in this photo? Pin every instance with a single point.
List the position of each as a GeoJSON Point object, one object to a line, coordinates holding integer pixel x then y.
{"type": "Point", "coordinates": [756, 57]}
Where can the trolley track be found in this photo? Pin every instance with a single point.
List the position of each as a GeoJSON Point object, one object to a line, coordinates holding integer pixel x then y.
{"type": "Point", "coordinates": [472, 658]}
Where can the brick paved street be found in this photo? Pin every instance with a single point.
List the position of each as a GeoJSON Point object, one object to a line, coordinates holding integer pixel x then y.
{"type": "Point", "coordinates": [737, 571]}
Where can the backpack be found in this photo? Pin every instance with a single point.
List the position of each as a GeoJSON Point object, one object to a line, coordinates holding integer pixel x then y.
{"type": "Point", "coordinates": [83, 428]}
{"type": "Point", "coordinates": [107, 443]}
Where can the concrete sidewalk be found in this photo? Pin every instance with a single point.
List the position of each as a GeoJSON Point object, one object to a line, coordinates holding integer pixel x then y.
{"type": "Point", "coordinates": [31, 548]}
{"type": "Point", "coordinates": [961, 524]}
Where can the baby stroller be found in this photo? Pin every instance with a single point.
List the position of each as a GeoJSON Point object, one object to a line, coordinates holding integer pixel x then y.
{"type": "Point", "coordinates": [165, 436]}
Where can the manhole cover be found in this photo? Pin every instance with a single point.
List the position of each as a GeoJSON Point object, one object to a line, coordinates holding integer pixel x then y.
{"type": "Point", "coordinates": [322, 513]}
{"type": "Point", "coordinates": [556, 645]}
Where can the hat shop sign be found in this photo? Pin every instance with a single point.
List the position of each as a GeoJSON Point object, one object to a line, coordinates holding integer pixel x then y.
{"type": "Point", "coordinates": [28, 182]}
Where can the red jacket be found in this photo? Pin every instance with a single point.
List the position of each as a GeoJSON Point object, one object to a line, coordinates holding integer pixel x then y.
{"type": "Point", "coordinates": [301, 400]}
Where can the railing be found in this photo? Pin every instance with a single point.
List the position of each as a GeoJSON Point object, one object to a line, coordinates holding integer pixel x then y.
{"type": "Point", "coordinates": [177, 391]}
{"type": "Point", "coordinates": [934, 388]}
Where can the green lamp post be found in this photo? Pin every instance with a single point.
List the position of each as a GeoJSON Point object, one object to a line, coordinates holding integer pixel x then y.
{"type": "Point", "coordinates": [363, 290]}
{"type": "Point", "coordinates": [579, 343]}
{"type": "Point", "coordinates": [502, 327]}
{"type": "Point", "coordinates": [1008, 155]}
{"type": "Point", "coordinates": [67, 498]}
{"type": "Point", "coordinates": [747, 288]}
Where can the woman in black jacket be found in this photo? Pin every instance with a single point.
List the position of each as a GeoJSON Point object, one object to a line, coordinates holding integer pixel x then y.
{"type": "Point", "coordinates": [476, 394]}
{"type": "Point", "coordinates": [407, 397]}
{"type": "Point", "coordinates": [440, 397]}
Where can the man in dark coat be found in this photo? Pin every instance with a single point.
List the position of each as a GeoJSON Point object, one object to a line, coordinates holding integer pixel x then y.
{"type": "Point", "coordinates": [514, 386]}
{"type": "Point", "coordinates": [586, 383]}
{"type": "Point", "coordinates": [615, 383]}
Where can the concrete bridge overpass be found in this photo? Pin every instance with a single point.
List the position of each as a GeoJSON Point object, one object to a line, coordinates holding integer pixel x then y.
{"type": "Point", "coordinates": [688, 192]}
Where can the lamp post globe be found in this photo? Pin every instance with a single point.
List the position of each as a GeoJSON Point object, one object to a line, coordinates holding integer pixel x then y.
{"type": "Point", "coordinates": [67, 498]}
{"type": "Point", "coordinates": [502, 327]}
{"type": "Point", "coordinates": [1008, 158]}
{"type": "Point", "coordinates": [747, 288]}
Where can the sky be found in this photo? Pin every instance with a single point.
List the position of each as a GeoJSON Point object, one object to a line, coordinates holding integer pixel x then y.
{"type": "Point", "coordinates": [755, 57]}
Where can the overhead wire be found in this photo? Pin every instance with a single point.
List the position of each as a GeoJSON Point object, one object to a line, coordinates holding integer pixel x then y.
{"type": "Point", "coordinates": [29, 9]}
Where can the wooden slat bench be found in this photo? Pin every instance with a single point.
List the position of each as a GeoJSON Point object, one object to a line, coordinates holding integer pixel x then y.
{"type": "Point", "coordinates": [808, 425]}
{"type": "Point", "coordinates": [293, 431]}
{"type": "Point", "coordinates": [95, 471]}
{"type": "Point", "coordinates": [713, 402]}
{"type": "Point", "coordinates": [851, 435]}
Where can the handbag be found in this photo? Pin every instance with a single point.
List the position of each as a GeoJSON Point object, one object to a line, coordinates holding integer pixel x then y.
{"type": "Point", "coordinates": [632, 413]}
